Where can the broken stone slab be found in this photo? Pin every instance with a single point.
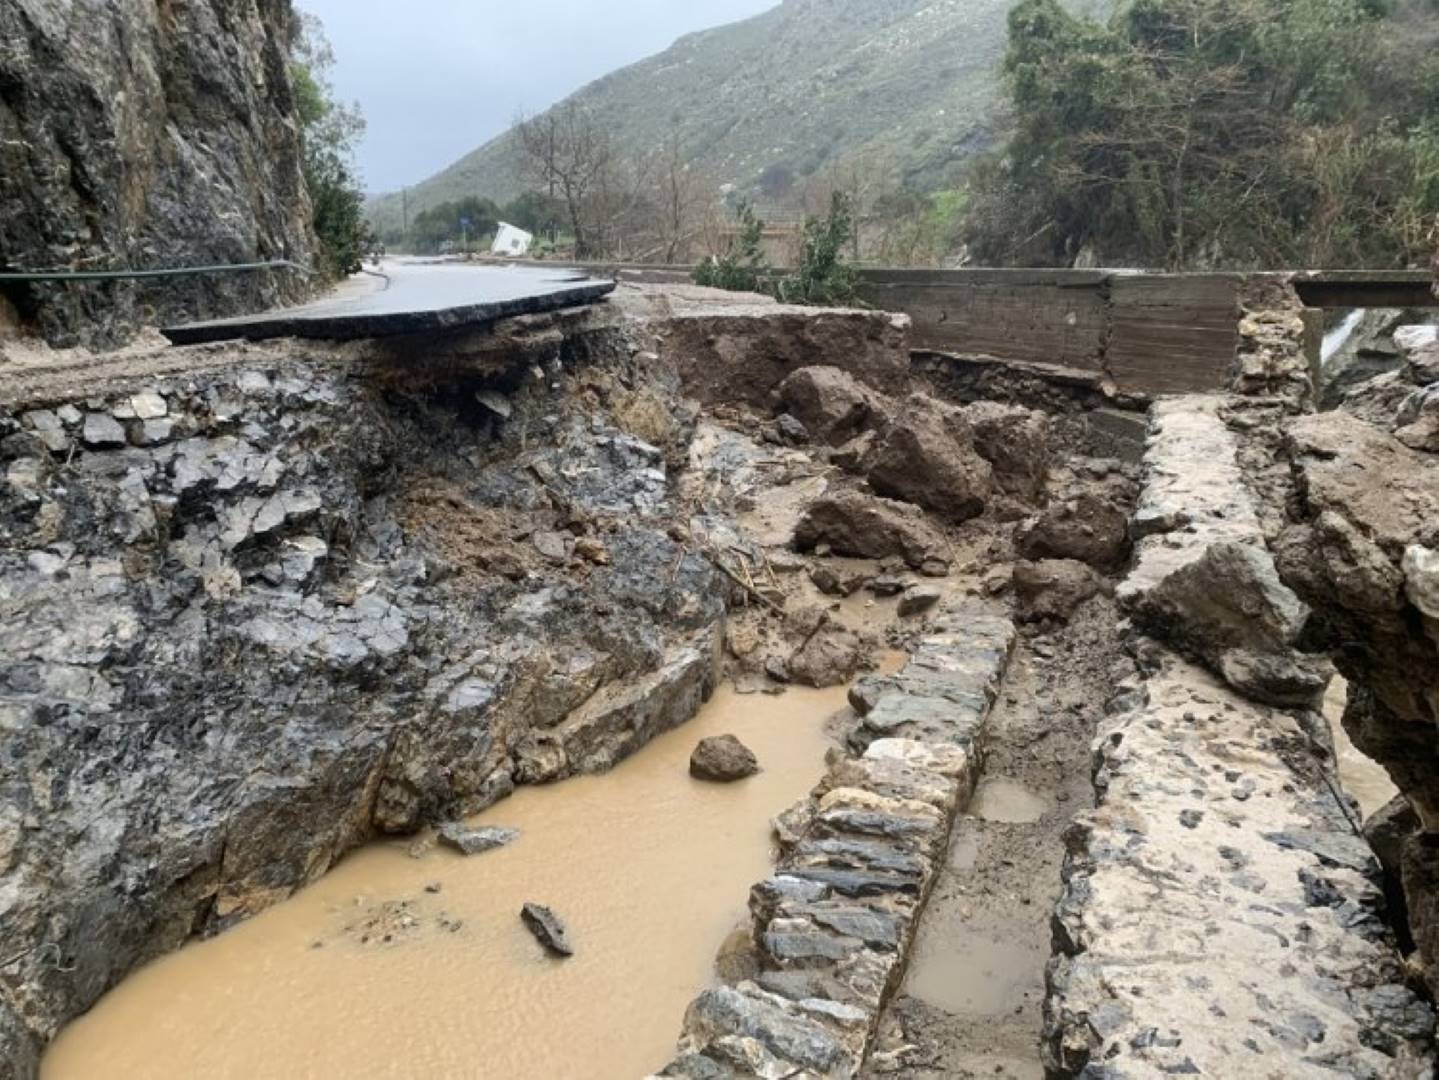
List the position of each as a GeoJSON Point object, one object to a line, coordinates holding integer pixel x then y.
{"type": "Point", "coordinates": [834, 920]}
{"type": "Point", "coordinates": [723, 759]}
{"type": "Point", "coordinates": [476, 841]}
{"type": "Point", "coordinates": [549, 931]}
{"type": "Point", "coordinates": [1203, 577]}
{"type": "Point", "coordinates": [868, 527]}
{"type": "Point", "coordinates": [1219, 888]}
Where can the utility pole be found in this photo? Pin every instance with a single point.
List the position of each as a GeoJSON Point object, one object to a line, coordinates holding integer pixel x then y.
{"type": "Point", "coordinates": [405, 215]}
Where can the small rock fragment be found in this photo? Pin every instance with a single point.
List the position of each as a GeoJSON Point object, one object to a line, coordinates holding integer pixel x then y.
{"type": "Point", "coordinates": [723, 759]}
{"type": "Point", "coordinates": [476, 841]}
{"type": "Point", "coordinates": [549, 931]}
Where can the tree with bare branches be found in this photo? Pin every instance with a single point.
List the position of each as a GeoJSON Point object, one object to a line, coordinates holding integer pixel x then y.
{"type": "Point", "coordinates": [567, 154]}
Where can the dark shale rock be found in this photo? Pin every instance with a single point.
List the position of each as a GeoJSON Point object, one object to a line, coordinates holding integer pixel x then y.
{"type": "Point", "coordinates": [928, 458]}
{"type": "Point", "coordinates": [853, 523]}
{"type": "Point", "coordinates": [722, 758]}
{"type": "Point", "coordinates": [187, 153]}
{"type": "Point", "coordinates": [549, 931]}
{"type": "Point", "coordinates": [476, 841]}
{"type": "Point", "coordinates": [918, 599]}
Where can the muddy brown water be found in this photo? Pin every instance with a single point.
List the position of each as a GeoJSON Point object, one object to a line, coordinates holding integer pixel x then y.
{"type": "Point", "coordinates": [368, 974]}
{"type": "Point", "coordinates": [1362, 777]}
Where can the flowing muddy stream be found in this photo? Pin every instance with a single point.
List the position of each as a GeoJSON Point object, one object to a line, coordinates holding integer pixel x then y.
{"type": "Point", "coordinates": [398, 966]}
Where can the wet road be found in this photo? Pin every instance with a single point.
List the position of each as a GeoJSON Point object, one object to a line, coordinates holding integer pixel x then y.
{"type": "Point", "coordinates": [410, 297]}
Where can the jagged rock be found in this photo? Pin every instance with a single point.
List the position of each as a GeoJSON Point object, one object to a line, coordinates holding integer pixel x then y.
{"type": "Point", "coordinates": [1088, 528]}
{"type": "Point", "coordinates": [928, 458]}
{"type": "Point", "coordinates": [476, 841]}
{"type": "Point", "coordinates": [1230, 607]}
{"type": "Point", "coordinates": [1417, 422]}
{"type": "Point", "coordinates": [853, 456]}
{"type": "Point", "coordinates": [834, 405]}
{"type": "Point", "coordinates": [549, 931]}
{"type": "Point", "coordinates": [1422, 363]}
{"type": "Point", "coordinates": [829, 657]}
{"type": "Point", "coordinates": [1388, 828]}
{"type": "Point", "coordinates": [919, 599]}
{"type": "Point", "coordinates": [852, 523]}
{"type": "Point", "coordinates": [791, 430]}
{"type": "Point", "coordinates": [1053, 588]}
{"type": "Point", "coordinates": [722, 758]}
{"type": "Point", "coordinates": [1016, 442]}
{"type": "Point", "coordinates": [103, 432]}
{"type": "Point", "coordinates": [837, 581]}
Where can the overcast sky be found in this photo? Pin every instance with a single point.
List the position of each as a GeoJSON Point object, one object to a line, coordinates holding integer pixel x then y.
{"type": "Point", "coordinates": [436, 78]}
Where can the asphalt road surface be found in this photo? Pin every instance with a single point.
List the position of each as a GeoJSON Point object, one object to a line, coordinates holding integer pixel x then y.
{"type": "Point", "coordinates": [411, 296]}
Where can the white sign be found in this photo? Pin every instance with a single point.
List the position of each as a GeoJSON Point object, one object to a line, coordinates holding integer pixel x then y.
{"type": "Point", "coordinates": [511, 241]}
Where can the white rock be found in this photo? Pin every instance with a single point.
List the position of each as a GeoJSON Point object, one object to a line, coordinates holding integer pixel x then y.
{"type": "Point", "coordinates": [1421, 579]}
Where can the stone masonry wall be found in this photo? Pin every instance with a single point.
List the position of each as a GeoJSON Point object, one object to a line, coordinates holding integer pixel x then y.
{"type": "Point", "coordinates": [833, 924]}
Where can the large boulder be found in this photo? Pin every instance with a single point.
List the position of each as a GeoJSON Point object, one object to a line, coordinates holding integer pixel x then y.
{"type": "Point", "coordinates": [1016, 443]}
{"type": "Point", "coordinates": [829, 657]}
{"type": "Point", "coordinates": [722, 759]}
{"type": "Point", "coordinates": [832, 404]}
{"type": "Point", "coordinates": [928, 458]}
{"type": "Point", "coordinates": [1088, 527]}
{"type": "Point", "coordinates": [1052, 589]}
{"type": "Point", "coordinates": [853, 523]}
{"type": "Point", "coordinates": [1230, 607]}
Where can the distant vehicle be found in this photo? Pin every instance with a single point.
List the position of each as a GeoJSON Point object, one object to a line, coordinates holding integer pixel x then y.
{"type": "Point", "coordinates": [511, 241]}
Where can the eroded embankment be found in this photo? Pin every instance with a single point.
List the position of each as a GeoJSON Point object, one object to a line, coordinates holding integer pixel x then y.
{"type": "Point", "coordinates": [253, 615]}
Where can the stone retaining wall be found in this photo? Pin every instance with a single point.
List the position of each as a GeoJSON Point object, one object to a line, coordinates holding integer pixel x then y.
{"type": "Point", "coordinates": [1222, 915]}
{"type": "Point", "coordinates": [834, 922]}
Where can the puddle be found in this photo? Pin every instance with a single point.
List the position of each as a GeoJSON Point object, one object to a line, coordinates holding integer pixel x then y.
{"type": "Point", "coordinates": [966, 968]}
{"type": "Point", "coordinates": [368, 974]}
{"type": "Point", "coordinates": [1005, 801]}
{"type": "Point", "coordinates": [1360, 776]}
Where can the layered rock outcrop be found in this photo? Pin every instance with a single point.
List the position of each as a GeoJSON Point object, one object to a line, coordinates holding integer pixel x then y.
{"type": "Point", "coordinates": [253, 615]}
{"type": "Point", "coordinates": [136, 135]}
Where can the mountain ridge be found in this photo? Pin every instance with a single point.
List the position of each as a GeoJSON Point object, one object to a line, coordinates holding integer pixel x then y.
{"type": "Point", "coordinates": [912, 84]}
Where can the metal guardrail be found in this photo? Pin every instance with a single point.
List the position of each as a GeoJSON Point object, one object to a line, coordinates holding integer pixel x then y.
{"type": "Point", "coordinates": [120, 275]}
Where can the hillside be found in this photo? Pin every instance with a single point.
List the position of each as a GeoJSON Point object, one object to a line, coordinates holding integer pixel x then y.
{"type": "Point", "coordinates": [910, 83]}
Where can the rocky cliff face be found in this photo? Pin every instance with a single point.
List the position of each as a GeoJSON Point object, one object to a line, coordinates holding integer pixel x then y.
{"type": "Point", "coordinates": [137, 134]}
